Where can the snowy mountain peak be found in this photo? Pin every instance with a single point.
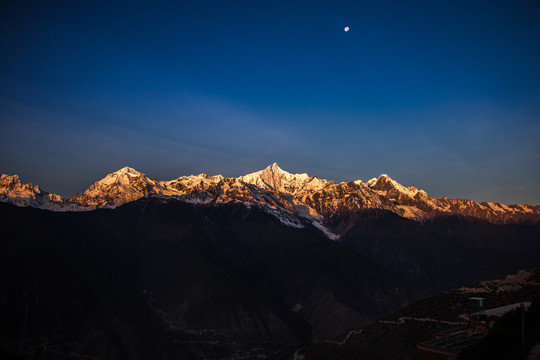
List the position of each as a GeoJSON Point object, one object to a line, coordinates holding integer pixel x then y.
{"type": "Point", "coordinates": [276, 179]}
{"type": "Point", "coordinates": [124, 173]}
{"type": "Point", "coordinates": [292, 198]}
{"type": "Point", "coordinates": [12, 190]}
{"type": "Point", "coordinates": [5, 177]}
{"type": "Point", "coordinates": [10, 181]}
{"type": "Point", "coordinates": [11, 184]}
{"type": "Point", "coordinates": [276, 171]}
{"type": "Point", "coordinates": [385, 185]}
{"type": "Point", "coordinates": [119, 187]}
{"type": "Point", "coordinates": [274, 166]}
{"type": "Point", "coordinates": [382, 183]}
{"type": "Point", "coordinates": [127, 170]}
{"type": "Point", "coordinates": [385, 178]}
{"type": "Point", "coordinates": [370, 182]}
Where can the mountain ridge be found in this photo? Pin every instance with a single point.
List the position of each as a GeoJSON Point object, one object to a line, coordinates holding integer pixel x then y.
{"type": "Point", "coordinates": [295, 199]}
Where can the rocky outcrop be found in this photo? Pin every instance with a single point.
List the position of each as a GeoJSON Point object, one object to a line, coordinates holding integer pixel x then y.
{"type": "Point", "coordinates": [13, 191]}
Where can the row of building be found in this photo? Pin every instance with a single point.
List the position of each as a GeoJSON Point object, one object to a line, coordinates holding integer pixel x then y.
{"type": "Point", "coordinates": [449, 344]}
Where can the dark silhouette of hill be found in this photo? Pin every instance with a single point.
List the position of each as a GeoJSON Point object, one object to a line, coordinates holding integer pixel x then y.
{"type": "Point", "coordinates": [166, 279]}
{"type": "Point", "coordinates": [163, 280]}
{"type": "Point", "coordinates": [441, 253]}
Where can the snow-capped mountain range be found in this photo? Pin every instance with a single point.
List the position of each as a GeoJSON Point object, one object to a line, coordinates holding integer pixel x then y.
{"type": "Point", "coordinates": [295, 199]}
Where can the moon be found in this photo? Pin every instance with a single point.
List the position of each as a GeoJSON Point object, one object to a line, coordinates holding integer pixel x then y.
{"type": "Point", "coordinates": [346, 28]}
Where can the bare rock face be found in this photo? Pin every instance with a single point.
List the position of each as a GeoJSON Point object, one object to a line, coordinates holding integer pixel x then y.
{"type": "Point", "coordinates": [12, 190]}
{"type": "Point", "coordinates": [297, 200]}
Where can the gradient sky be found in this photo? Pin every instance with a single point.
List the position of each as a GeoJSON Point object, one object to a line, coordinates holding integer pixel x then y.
{"type": "Point", "coordinates": [442, 95]}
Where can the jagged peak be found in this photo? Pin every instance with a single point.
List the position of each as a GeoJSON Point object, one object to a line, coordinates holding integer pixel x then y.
{"type": "Point", "coordinates": [206, 177]}
{"type": "Point", "coordinates": [276, 178]}
{"type": "Point", "coordinates": [381, 180]}
{"type": "Point", "coordinates": [386, 178]}
{"type": "Point", "coordinates": [128, 184]}
{"type": "Point", "coordinates": [127, 170]}
{"type": "Point", "coordinates": [14, 182]}
{"type": "Point", "coordinates": [270, 169]}
{"type": "Point", "coordinates": [386, 183]}
{"type": "Point", "coordinates": [4, 178]}
{"type": "Point", "coordinates": [121, 176]}
{"type": "Point", "coordinates": [275, 169]}
{"type": "Point", "coordinates": [371, 181]}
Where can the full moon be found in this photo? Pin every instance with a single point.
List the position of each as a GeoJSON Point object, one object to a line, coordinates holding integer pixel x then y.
{"type": "Point", "coordinates": [346, 28]}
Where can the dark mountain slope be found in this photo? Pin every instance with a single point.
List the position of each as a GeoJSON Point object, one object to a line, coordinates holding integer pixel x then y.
{"type": "Point", "coordinates": [441, 253]}
{"type": "Point", "coordinates": [302, 273]}
{"type": "Point", "coordinates": [155, 279]}
{"type": "Point", "coordinates": [67, 287]}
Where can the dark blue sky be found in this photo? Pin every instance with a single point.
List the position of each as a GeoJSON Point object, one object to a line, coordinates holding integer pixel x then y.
{"type": "Point", "coordinates": [442, 95]}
